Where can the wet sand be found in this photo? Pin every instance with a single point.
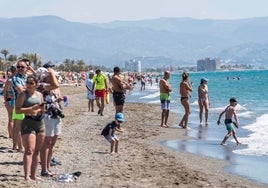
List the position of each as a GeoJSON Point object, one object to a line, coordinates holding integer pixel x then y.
{"type": "Point", "coordinates": [141, 162]}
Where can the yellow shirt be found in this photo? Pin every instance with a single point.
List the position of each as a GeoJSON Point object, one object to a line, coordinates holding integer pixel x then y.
{"type": "Point", "coordinates": [99, 81]}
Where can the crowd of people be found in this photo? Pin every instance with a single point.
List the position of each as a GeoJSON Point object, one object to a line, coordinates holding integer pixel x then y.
{"type": "Point", "coordinates": [32, 100]}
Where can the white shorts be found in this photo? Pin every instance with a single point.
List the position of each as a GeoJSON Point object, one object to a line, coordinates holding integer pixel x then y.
{"type": "Point", "coordinates": [53, 126]}
{"type": "Point", "coordinates": [111, 138]}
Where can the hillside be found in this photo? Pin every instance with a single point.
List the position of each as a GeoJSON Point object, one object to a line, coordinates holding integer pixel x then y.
{"type": "Point", "coordinates": [179, 41]}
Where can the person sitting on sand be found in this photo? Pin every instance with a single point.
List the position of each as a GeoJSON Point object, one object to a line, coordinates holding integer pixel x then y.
{"type": "Point", "coordinates": [165, 89]}
{"type": "Point", "coordinates": [229, 113]}
{"type": "Point", "coordinates": [109, 131]}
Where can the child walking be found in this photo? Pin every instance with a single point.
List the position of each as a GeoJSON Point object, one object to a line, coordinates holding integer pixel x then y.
{"type": "Point", "coordinates": [229, 113]}
{"type": "Point", "coordinates": [109, 131]}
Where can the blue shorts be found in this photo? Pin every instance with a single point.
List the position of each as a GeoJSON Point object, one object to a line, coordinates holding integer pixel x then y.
{"type": "Point", "coordinates": [165, 104]}
{"type": "Point", "coordinates": [229, 127]}
{"type": "Point", "coordinates": [11, 103]}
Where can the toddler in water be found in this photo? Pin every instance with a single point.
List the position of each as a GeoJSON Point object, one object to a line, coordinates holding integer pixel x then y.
{"type": "Point", "coordinates": [109, 131]}
{"type": "Point", "coordinates": [229, 113]}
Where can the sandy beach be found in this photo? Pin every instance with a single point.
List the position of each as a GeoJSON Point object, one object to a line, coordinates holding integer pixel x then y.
{"type": "Point", "coordinates": [141, 161]}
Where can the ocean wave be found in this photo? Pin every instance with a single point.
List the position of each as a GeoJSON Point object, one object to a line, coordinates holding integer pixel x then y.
{"type": "Point", "coordinates": [150, 96]}
{"type": "Point", "coordinates": [257, 141]}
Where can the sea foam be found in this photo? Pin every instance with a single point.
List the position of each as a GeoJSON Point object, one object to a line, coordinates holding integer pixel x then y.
{"type": "Point", "coordinates": [257, 141]}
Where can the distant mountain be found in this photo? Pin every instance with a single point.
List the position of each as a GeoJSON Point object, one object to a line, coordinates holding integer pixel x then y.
{"type": "Point", "coordinates": [176, 41]}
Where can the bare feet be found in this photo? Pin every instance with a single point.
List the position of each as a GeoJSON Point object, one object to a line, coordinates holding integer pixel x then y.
{"type": "Point", "coordinates": [238, 143]}
{"type": "Point", "coordinates": [223, 144]}
{"type": "Point", "coordinates": [28, 179]}
{"type": "Point", "coordinates": [36, 178]}
{"type": "Point", "coordinates": [164, 126]}
{"type": "Point", "coordinates": [21, 150]}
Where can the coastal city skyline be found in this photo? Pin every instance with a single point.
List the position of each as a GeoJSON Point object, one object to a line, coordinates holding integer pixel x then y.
{"type": "Point", "coordinates": [106, 11]}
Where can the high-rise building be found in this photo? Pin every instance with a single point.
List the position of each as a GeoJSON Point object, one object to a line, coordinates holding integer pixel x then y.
{"type": "Point", "coordinates": [133, 66]}
{"type": "Point", "coordinates": [208, 64]}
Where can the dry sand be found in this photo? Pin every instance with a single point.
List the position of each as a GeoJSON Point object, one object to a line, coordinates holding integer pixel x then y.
{"type": "Point", "coordinates": [141, 162]}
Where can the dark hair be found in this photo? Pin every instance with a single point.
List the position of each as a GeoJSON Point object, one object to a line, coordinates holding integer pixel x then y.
{"type": "Point", "coordinates": [116, 69]}
{"type": "Point", "coordinates": [25, 60]}
{"type": "Point", "coordinates": [166, 73]}
{"type": "Point", "coordinates": [34, 77]}
{"type": "Point", "coordinates": [184, 75]}
{"type": "Point", "coordinates": [233, 99]}
{"type": "Point", "coordinates": [97, 71]}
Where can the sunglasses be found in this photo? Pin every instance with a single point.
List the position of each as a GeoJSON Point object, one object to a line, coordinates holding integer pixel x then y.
{"type": "Point", "coordinates": [20, 67]}
{"type": "Point", "coordinates": [119, 121]}
{"type": "Point", "coordinates": [30, 83]}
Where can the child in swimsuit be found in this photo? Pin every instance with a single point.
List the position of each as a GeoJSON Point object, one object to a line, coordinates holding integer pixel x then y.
{"type": "Point", "coordinates": [229, 114]}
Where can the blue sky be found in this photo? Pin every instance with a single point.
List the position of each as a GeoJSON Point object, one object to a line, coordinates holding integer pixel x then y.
{"type": "Point", "coordinates": [99, 11]}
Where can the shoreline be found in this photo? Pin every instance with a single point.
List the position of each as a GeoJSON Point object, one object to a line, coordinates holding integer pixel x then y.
{"type": "Point", "coordinates": [142, 161]}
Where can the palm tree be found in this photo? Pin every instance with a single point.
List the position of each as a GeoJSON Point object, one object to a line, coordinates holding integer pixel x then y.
{"type": "Point", "coordinates": [5, 52]}
{"type": "Point", "coordinates": [33, 57]}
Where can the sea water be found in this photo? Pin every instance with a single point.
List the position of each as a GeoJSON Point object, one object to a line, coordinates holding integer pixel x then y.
{"type": "Point", "coordinates": [250, 87]}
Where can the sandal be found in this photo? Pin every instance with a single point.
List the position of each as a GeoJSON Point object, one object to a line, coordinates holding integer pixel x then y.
{"type": "Point", "coordinates": [46, 174]}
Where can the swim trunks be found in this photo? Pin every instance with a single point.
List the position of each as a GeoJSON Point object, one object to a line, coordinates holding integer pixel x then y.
{"type": "Point", "coordinates": [119, 98]}
{"type": "Point", "coordinates": [100, 93]}
{"type": "Point", "coordinates": [164, 96]}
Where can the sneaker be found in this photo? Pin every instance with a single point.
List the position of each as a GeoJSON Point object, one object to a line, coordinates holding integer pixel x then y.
{"type": "Point", "coordinates": [53, 160]}
{"type": "Point", "coordinates": [52, 163]}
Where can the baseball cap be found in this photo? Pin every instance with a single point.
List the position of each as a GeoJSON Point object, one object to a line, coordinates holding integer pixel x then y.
{"type": "Point", "coordinates": [48, 65]}
{"type": "Point", "coordinates": [233, 99]}
{"type": "Point", "coordinates": [204, 80]}
{"type": "Point", "coordinates": [119, 116]}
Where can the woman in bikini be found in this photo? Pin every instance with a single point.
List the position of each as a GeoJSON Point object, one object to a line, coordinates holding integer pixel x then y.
{"type": "Point", "coordinates": [203, 100]}
{"type": "Point", "coordinates": [185, 92]}
{"type": "Point", "coordinates": [9, 97]}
